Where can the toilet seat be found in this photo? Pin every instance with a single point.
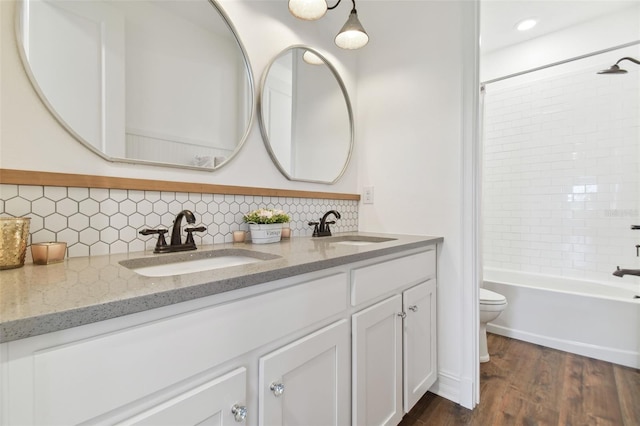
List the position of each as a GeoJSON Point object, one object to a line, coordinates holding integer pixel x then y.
{"type": "Point", "coordinates": [488, 297]}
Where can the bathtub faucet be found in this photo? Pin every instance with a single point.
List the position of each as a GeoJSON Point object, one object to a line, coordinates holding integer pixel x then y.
{"type": "Point", "coordinates": [622, 272]}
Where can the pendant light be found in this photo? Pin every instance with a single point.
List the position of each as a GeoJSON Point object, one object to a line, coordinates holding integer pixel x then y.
{"type": "Point", "coordinates": [351, 36]}
{"type": "Point", "coordinates": [311, 58]}
{"type": "Point", "coordinates": [309, 10]}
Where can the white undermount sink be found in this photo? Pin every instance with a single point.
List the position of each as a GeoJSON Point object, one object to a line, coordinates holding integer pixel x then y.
{"type": "Point", "coordinates": [357, 240]}
{"type": "Point", "coordinates": [186, 263]}
{"type": "Point", "coordinates": [355, 243]}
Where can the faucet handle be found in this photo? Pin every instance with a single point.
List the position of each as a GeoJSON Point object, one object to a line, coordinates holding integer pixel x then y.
{"type": "Point", "coordinates": [190, 231]}
{"type": "Point", "coordinates": [315, 228]}
{"type": "Point", "coordinates": [161, 240]}
{"type": "Point", "coordinates": [327, 230]}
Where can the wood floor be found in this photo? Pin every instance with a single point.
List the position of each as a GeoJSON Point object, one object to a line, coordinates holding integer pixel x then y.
{"type": "Point", "coordinates": [527, 384]}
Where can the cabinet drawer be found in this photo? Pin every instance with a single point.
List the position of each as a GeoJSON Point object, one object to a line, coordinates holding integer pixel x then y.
{"type": "Point", "coordinates": [101, 374]}
{"type": "Point", "coordinates": [210, 403]}
{"type": "Point", "coordinates": [373, 281]}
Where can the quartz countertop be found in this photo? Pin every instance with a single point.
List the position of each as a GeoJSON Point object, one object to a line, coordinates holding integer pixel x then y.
{"type": "Point", "coordinates": [39, 299]}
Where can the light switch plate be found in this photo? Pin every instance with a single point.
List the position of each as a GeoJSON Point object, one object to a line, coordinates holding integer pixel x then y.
{"type": "Point", "coordinates": [367, 195]}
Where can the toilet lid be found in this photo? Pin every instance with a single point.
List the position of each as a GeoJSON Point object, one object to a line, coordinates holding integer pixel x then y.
{"type": "Point", "coordinates": [488, 297]}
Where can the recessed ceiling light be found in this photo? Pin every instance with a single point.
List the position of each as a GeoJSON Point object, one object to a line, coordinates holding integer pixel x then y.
{"type": "Point", "coordinates": [527, 24]}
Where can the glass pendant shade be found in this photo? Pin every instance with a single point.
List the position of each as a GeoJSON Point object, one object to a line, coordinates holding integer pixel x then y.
{"type": "Point", "coordinates": [352, 35]}
{"type": "Point", "coordinates": [309, 10]}
{"type": "Point", "coordinates": [311, 58]}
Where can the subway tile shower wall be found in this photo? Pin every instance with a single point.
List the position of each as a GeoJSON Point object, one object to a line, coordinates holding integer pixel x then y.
{"type": "Point", "coordinates": [561, 183]}
{"type": "Point", "coordinates": [95, 221]}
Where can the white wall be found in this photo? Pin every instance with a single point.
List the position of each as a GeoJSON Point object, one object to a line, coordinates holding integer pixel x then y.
{"type": "Point", "coordinates": [410, 135]}
{"type": "Point", "coordinates": [31, 139]}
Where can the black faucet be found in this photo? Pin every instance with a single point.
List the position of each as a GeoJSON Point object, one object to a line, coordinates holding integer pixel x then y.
{"type": "Point", "coordinates": [176, 239]}
{"type": "Point", "coordinates": [321, 229]}
{"type": "Point", "coordinates": [637, 245]}
{"type": "Point", "coordinates": [622, 272]}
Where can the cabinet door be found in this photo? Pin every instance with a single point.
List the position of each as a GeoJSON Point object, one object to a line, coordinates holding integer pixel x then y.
{"type": "Point", "coordinates": [218, 402]}
{"type": "Point", "coordinates": [420, 367]}
{"type": "Point", "coordinates": [377, 363]}
{"type": "Point", "coordinates": [307, 381]}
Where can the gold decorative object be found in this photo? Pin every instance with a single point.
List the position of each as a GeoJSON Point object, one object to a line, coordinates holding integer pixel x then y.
{"type": "Point", "coordinates": [46, 253]}
{"type": "Point", "coordinates": [14, 232]}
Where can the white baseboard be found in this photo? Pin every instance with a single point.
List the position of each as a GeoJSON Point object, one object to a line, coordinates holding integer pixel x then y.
{"type": "Point", "coordinates": [454, 389]}
{"type": "Point", "coordinates": [467, 399]}
{"type": "Point", "coordinates": [616, 356]}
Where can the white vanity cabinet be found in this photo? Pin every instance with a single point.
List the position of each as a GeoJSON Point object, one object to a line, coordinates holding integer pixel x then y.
{"type": "Point", "coordinates": [137, 368]}
{"type": "Point", "coordinates": [419, 342]}
{"type": "Point", "coordinates": [352, 344]}
{"type": "Point", "coordinates": [377, 364]}
{"type": "Point", "coordinates": [307, 382]}
{"type": "Point", "coordinates": [393, 340]}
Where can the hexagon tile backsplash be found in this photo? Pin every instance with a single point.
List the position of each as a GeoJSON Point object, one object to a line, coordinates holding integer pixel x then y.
{"type": "Point", "coordinates": [94, 221]}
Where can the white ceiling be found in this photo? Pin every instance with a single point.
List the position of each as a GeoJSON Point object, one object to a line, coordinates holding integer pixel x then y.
{"type": "Point", "coordinates": [499, 18]}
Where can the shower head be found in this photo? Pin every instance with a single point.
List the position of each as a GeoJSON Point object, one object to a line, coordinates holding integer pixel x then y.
{"type": "Point", "coordinates": [615, 69]}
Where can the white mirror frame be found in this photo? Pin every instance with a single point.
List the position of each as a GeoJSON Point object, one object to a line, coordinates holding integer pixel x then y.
{"type": "Point", "coordinates": [263, 124]}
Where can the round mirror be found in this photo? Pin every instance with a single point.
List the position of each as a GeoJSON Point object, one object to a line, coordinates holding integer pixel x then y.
{"type": "Point", "coordinates": [305, 116]}
{"type": "Point", "coordinates": [157, 82]}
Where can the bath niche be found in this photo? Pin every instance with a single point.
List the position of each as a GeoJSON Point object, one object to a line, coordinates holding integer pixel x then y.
{"type": "Point", "coordinates": [305, 116]}
{"type": "Point", "coordinates": [164, 82]}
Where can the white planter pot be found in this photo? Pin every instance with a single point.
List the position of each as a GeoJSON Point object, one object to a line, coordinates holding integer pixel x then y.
{"type": "Point", "coordinates": [265, 233]}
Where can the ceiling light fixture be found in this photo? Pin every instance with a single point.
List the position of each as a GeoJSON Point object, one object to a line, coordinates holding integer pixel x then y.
{"type": "Point", "coordinates": [351, 36]}
{"type": "Point", "coordinates": [526, 25]}
{"type": "Point", "coordinates": [309, 10]}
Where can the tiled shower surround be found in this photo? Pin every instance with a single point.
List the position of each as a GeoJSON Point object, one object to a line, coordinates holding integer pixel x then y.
{"type": "Point", "coordinates": [94, 221]}
{"type": "Point", "coordinates": [561, 174]}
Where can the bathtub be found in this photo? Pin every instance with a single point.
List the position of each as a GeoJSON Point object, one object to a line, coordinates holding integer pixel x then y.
{"type": "Point", "coordinates": [600, 321]}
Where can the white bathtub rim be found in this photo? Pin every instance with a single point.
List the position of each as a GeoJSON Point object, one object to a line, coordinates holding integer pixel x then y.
{"type": "Point", "coordinates": [613, 355]}
{"type": "Point", "coordinates": [624, 283]}
{"type": "Point", "coordinates": [626, 291]}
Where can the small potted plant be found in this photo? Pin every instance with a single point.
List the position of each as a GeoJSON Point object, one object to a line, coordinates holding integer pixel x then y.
{"type": "Point", "coordinates": [266, 225]}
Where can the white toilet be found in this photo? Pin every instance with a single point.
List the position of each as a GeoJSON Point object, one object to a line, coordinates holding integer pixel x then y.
{"type": "Point", "coordinates": [491, 304]}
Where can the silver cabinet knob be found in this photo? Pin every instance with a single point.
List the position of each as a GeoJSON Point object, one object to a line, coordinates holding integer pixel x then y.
{"type": "Point", "coordinates": [413, 308]}
{"type": "Point", "coordinates": [402, 315]}
{"type": "Point", "coordinates": [277, 388]}
{"type": "Point", "coordinates": [239, 412]}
